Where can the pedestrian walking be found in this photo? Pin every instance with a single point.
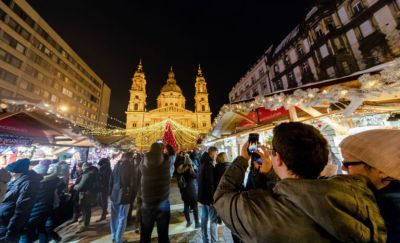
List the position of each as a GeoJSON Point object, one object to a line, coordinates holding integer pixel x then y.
{"type": "Point", "coordinates": [122, 189]}
{"type": "Point", "coordinates": [76, 207]}
{"type": "Point", "coordinates": [375, 154]}
{"type": "Point", "coordinates": [155, 186]}
{"type": "Point", "coordinates": [206, 192]}
{"type": "Point", "coordinates": [105, 174]}
{"type": "Point", "coordinates": [88, 188]}
{"type": "Point", "coordinates": [187, 182]}
{"type": "Point", "coordinates": [18, 200]}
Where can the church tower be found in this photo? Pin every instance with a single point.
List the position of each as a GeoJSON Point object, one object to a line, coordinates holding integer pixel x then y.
{"type": "Point", "coordinates": [202, 107]}
{"type": "Point", "coordinates": [137, 101]}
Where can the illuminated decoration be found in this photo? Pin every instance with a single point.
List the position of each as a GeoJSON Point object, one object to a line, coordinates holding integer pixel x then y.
{"type": "Point", "coordinates": [371, 86]}
{"type": "Point", "coordinates": [146, 126]}
{"type": "Point", "coordinates": [168, 136]}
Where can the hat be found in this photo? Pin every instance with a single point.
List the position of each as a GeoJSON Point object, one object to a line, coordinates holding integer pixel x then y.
{"type": "Point", "coordinates": [379, 148]}
{"type": "Point", "coordinates": [19, 166]}
{"type": "Point", "coordinates": [42, 167]}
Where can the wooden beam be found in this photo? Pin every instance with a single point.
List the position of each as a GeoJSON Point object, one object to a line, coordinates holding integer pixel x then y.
{"type": "Point", "coordinates": [314, 113]}
{"type": "Point", "coordinates": [246, 117]}
{"type": "Point", "coordinates": [293, 114]}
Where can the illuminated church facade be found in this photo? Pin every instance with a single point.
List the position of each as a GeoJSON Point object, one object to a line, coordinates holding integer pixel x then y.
{"type": "Point", "coordinates": [171, 104]}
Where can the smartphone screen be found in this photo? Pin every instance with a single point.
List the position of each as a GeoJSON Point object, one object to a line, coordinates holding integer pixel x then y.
{"type": "Point", "coordinates": [253, 143]}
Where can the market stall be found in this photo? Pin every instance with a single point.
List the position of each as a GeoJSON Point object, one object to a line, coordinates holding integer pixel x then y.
{"type": "Point", "coordinates": [337, 107]}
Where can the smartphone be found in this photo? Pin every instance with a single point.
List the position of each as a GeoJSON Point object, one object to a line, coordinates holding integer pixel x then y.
{"type": "Point", "coordinates": [253, 143]}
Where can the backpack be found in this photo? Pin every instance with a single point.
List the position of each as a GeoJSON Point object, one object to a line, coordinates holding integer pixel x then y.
{"type": "Point", "coordinates": [182, 182]}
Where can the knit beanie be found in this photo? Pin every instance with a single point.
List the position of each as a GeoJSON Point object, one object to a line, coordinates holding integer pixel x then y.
{"type": "Point", "coordinates": [19, 166]}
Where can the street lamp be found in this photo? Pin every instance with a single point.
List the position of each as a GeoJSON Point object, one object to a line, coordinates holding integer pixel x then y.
{"type": "Point", "coordinates": [63, 108]}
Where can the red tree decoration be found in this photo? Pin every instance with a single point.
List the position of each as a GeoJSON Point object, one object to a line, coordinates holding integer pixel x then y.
{"type": "Point", "coordinates": [168, 136]}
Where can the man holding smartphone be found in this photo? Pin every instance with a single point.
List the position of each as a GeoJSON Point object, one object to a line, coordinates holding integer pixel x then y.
{"type": "Point", "coordinates": [299, 207]}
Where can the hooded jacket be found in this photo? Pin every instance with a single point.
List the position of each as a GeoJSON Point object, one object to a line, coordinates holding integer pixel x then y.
{"type": "Point", "coordinates": [17, 204]}
{"type": "Point", "coordinates": [105, 174]}
{"type": "Point", "coordinates": [155, 180]}
{"type": "Point", "coordinates": [206, 180]}
{"type": "Point", "coordinates": [87, 186]}
{"type": "Point", "coordinates": [189, 193]}
{"type": "Point", "coordinates": [337, 209]}
{"type": "Point", "coordinates": [5, 177]}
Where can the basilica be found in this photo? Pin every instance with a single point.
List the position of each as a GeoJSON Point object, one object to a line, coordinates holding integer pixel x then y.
{"type": "Point", "coordinates": [171, 104]}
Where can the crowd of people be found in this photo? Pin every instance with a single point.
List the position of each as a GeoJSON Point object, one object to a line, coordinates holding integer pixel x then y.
{"type": "Point", "coordinates": [276, 194]}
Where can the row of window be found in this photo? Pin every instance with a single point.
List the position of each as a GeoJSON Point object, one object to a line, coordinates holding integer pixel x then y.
{"type": "Point", "coordinates": [12, 42]}
{"type": "Point", "coordinates": [27, 19]}
{"type": "Point", "coordinates": [8, 77]}
{"type": "Point", "coordinates": [8, 58]}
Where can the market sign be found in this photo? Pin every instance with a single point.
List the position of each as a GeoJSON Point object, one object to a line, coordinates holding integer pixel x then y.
{"type": "Point", "coordinates": [14, 140]}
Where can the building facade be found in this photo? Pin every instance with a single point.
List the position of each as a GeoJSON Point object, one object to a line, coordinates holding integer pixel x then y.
{"type": "Point", "coordinates": [334, 39]}
{"type": "Point", "coordinates": [171, 104]}
{"type": "Point", "coordinates": [37, 65]}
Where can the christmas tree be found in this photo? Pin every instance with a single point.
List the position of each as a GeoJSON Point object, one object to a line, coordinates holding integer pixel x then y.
{"type": "Point", "coordinates": [168, 136]}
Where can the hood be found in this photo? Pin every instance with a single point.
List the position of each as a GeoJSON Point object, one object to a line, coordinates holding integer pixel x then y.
{"type": "Point", "coordinates": [90, 169]}
{"type": "Point", "coordinates": [5, 177]}
{"type": "Point", "coordinates": [153, 160]}
{"type": "Point", "coordinates": [344, 206]}
{"type": "Point", "coordinates": [205, 158]}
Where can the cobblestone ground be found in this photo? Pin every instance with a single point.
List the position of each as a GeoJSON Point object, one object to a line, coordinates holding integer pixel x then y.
{"type": "Point", "coordinates": [100, 232]}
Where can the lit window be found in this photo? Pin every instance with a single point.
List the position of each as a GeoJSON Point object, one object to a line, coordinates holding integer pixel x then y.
{"type": "Point", "coordinates": [318, 31]}
{"type": "Point", "coordinates": [357, 6]}
{"type": "Point", "coordinates": [67, 92]}
{"type": "Point", "coordinates": [366, 28]}
{"type": "Point", "coordinates": [324, 51]}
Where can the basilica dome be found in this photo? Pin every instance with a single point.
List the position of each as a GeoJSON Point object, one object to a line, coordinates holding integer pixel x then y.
{"type": "Point", "coordinates": [171, 84]}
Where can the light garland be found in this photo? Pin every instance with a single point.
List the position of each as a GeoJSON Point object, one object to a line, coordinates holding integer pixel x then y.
{"type": "Point", "coordinates": [372, 86]}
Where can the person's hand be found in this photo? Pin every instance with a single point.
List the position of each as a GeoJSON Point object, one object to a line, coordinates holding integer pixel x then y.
{"type": "Point", "coordinates": [245, 152]}
{"type": "Point", "coordinates": [266, 159]}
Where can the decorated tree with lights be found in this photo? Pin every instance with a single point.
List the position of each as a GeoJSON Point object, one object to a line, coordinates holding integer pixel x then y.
{"type": "Point", "coordinates": [168, 136]}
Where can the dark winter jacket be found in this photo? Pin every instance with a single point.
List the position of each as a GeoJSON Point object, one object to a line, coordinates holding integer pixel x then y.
{"type": "Point", "coordinates": [122, 181]}
{"type": "Point", "coordinates": [206, 180]}
{"type": "Point", "coordinates": [219, 171]}
{"type": "Point", "coordinates": [155, 181]}
{"type": "Point", "coordinates": [5, 177]}
{"type": "Point", "coordinates": [337, 209]}
{"type": "Point", "coordinates": [87, 186]}
{"type": "Point", "coordinates": [189, 193]}
{"type": "Point", "coordinates": [44, 199]}
{"type": "Point", "coordinates": [105, 173]}
{"type": "Point", "coordinates": [17, 204]}
{"type": "Point", "coordinates": [388, 199]}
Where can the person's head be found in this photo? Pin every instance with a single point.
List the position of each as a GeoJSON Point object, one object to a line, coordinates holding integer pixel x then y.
{"type": "Point", "coordinates": [374, 154]}
{"type": "Point", "coordinates": [222, 157]}
{"type": "Point", "coordinates": [18, 167]}
{"type": "Point", "coordinates": [127, 155]}
{"type": "Point", "coordinates": [170, 149]}
{"type": "Point", "coordinates": [79, 166]}
{"type": "Point", "coordinates": [213, 151]}
{"type": "Point", "coordinates": [299, 151]}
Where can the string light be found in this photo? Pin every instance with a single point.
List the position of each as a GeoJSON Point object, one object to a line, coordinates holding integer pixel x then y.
{"type": "Point", "coordinates": [371, 86]}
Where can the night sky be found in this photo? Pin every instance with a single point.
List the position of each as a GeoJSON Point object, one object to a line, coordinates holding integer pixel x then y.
{"type": "Point", "coordinates": [225, 37]}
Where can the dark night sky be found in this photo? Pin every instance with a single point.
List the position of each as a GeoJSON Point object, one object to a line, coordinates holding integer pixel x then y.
{"type": "Point", "coordinates": [225, 36]}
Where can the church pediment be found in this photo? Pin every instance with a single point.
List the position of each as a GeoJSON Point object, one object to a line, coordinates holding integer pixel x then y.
{"type": "Point", "coordinates": [170, 109]}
